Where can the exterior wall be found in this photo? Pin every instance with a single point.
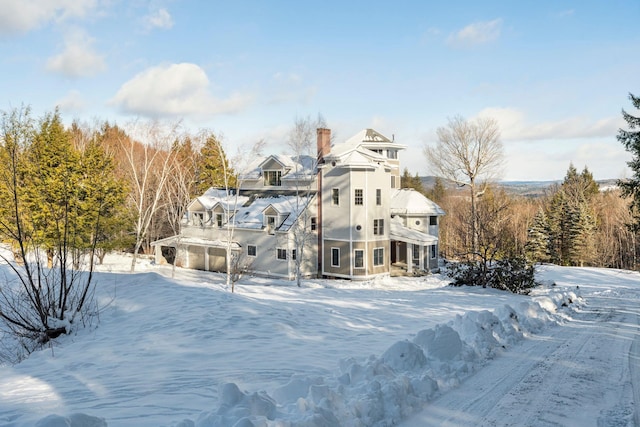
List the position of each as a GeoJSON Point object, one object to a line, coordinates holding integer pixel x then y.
{"type": "Point", "coordinates": [349, 226]}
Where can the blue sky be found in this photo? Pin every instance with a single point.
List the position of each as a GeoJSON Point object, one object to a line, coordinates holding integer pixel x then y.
{"type": "Point", "coordinates": [554, 74]}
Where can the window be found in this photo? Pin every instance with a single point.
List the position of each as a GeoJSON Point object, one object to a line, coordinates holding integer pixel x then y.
{"type": "Point", "coordinates": [314, 223]}
{"type": "Point", "coordinates": [335, 257]}
{"type": "Point", "coordinates": [378, 227]}
{"type": "Point", "coordinates": [219, 219]}
{"type": "Point", "coordinates": [392, 154]}
{"type": "Point", "coordinates": [378, 256]}
{"type": "Point", "coordinates": [378, 196]}
{"type": "Point", "coordinates": [393, 181]}
{"type": "Point", "coordinates": [282, 253]}
{"type": "Point", "coordinates": [433, 220]}
{"type": "Point", "coordinates": [198, 218]}
{"type": "Point", "coordinates": [272, 178]}
{"type": "Point", "coordinates": [271, 224]}
{"type": "Point", "coordinates": [377, 150]}
{"type": "Point", "coordinates": [433, 251]}
{"type": "Point", "coordinates": [359, 198]}
{"type": "Point", "coordinates": [293, 254]}
{"type": "Point", "coordinates": [251, 250]}
{"type": "Point", "coordinates": [335, 196]}
{"type": "Point", "coordinates": [358, 258]}
{"type": "Point", "coordinates": [416, 252]}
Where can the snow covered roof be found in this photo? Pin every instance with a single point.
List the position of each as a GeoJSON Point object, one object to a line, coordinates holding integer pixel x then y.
{"type": "Point", "coordinates": [397, 231]}
{"type": "Point", "coordinates": [251, 215]}
{"type": "Point", "coordinates": [407, 201]}
{"type": "Point", "coordinates": [366, 138]}
{"type": "Point", "coordinates": [173, 241]}
{"type": "Point", "coordinates": [294, 167]}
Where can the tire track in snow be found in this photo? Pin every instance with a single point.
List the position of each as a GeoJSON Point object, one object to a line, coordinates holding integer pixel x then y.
{"type": "Point", "coordinates": [588, 368]}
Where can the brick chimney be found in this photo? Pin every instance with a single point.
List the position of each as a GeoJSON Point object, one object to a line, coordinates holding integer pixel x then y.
{"type": "Point", "coordinates": [324, 143]}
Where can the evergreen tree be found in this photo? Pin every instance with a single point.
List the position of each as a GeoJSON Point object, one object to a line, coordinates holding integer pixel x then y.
{"type": "Point", "coordinates": [212, 164]}
{"type": "Point", "coordinates": [437, 192]}
{"type": "Point", "coordinates": [631, 141]}
{"type": "Point", "coordinates": [408, 181]}
{"type": "Point", "coordinates": [537, 246]}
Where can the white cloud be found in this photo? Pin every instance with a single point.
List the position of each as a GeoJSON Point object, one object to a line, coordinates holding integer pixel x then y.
{"type": "Point", "coordinates": [174, 90]}
{"type": "Point", "coordinates": [19, 16]}
{"type": "Point", "coordinates": [159, 19]}
{"type": "Point", "coordinates": [78, 59]}
{"type": "Point", "coordinates": [72, 102]}
{"type": "Point", "coordinates": [476, 34]}
{"type": "Point", "coordinates": [515, 126]}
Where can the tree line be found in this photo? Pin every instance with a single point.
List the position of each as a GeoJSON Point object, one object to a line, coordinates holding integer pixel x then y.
{"type": "Point", "coordinates": [573, 224]}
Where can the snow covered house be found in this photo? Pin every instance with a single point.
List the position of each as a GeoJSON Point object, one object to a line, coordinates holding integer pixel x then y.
{"type": "Point", "coordinates": [340, 215]}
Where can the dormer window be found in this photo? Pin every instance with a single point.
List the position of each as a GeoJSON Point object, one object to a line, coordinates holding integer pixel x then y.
{"type": "Point", "coordinates": [271, 224]}
{"type": "Point", "coordinates": [272, 178]}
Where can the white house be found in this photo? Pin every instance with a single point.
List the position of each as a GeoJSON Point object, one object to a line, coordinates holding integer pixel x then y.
{"type": "Point", "coordinates": [341, 214]}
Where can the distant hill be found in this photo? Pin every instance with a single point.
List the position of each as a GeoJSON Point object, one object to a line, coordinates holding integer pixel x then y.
{"type": "Point", "coordinates": [521, 188]}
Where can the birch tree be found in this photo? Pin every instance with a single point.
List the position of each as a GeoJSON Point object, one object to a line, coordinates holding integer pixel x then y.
{"type": "Point", "coordinates": [149, 163]}
{"type": "Point", "coordinates": [232, 174]}
{"type": "Point", "coordinates": [469, 153]}
{"type": "Point", "coordinates": [300, 142]}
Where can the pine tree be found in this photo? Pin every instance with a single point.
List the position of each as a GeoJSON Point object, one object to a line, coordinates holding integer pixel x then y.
{"type": "Point", "coordinates": [212, 164]}
{"type": "Point", "coordinates": [631, 141]}
{"type": "Point", "coordinates": [437, 192]}
{"type": "Point", "coordinates": [537, 246]}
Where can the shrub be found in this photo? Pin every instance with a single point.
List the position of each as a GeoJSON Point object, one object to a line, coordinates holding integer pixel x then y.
{"type": "Point", "coordinates": [511, 274]}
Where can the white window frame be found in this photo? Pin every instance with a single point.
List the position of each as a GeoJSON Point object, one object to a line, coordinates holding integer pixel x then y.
{"type": "Point", "coordinates": [434, 251]}
{"type": "Point", "coordinates": [335, 197]}
{"type": "Point", "coordinates": [433, 220]}
{"type": "Point", "coordinates": [381, 255]}
{"type": "Point", "coordinates": [281, 254]}
{"type": "Point", "coordinates": [271, 229]}
{"type": "Point", "coordinates": [415, 251]}
{"type": "Point", "coordinates": [255, 250]}
{"type": "Point", "coordinates": [219, 219]}
{"type": "Point", "coordinates": [378, 227]}
{"type": "Point", "coordinates": [335, 250]}
{"type": "Point", "coordinates": [355, 258]}
{"type": "Point", "coordinates": [378, 196]}
{"type": "Point", "coordinates": [272, 178]}
{"type": "Point", "coordinates": [358, 197]}
{"type": "Point", "coordinates": [314, 223]}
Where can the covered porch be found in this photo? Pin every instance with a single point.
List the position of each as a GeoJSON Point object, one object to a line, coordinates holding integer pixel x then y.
{"type": "Point", "coordinates": [412, 252]}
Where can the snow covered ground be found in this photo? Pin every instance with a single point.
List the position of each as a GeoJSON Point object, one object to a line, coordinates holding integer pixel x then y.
{"type": "Point", "coordinates": [185, 351]}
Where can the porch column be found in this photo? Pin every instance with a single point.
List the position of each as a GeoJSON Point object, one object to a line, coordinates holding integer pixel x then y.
{"type": "Point", "coordinates": [421, 261]}
{"type": "Point", "coordinates": [206, 258]}
{"type": "Point", "coordinates": [409, 257]}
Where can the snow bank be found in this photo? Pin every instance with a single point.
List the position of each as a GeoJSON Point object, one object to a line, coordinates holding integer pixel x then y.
{"type": "Point", "coordinates": [382, 391]}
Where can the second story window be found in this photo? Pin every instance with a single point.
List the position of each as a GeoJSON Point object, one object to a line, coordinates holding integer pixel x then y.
{"type": "Point", "coordinates": [378, 227]}
{"type": "Point", "coordinates": [219, 220]}
{"type": "Point", "coordinates": [378, 196]}
{"type": "Point", "coordinates": [335, 197]}
{"type": "Point", "coordinates": [272, 178]}
{"type": "Point", "coordinates": [358, 198]}
{"type": "Point", "coordinates": [314, 223]}
{"type": "Point", "coordinates": [433, 220]}
{"type": "Point", "coordinates": [392, 154]}
{"type": "Point", "coordinates": [271, 224]}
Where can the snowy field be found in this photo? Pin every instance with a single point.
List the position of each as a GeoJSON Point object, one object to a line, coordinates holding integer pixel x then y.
{"type": "Point", "coordinates": [185, 351]}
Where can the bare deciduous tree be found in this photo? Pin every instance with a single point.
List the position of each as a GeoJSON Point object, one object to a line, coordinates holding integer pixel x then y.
{"type": "Point", "coordinates": [149, 165]}
{"type": "Point", "coordinates": [471, 154]}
